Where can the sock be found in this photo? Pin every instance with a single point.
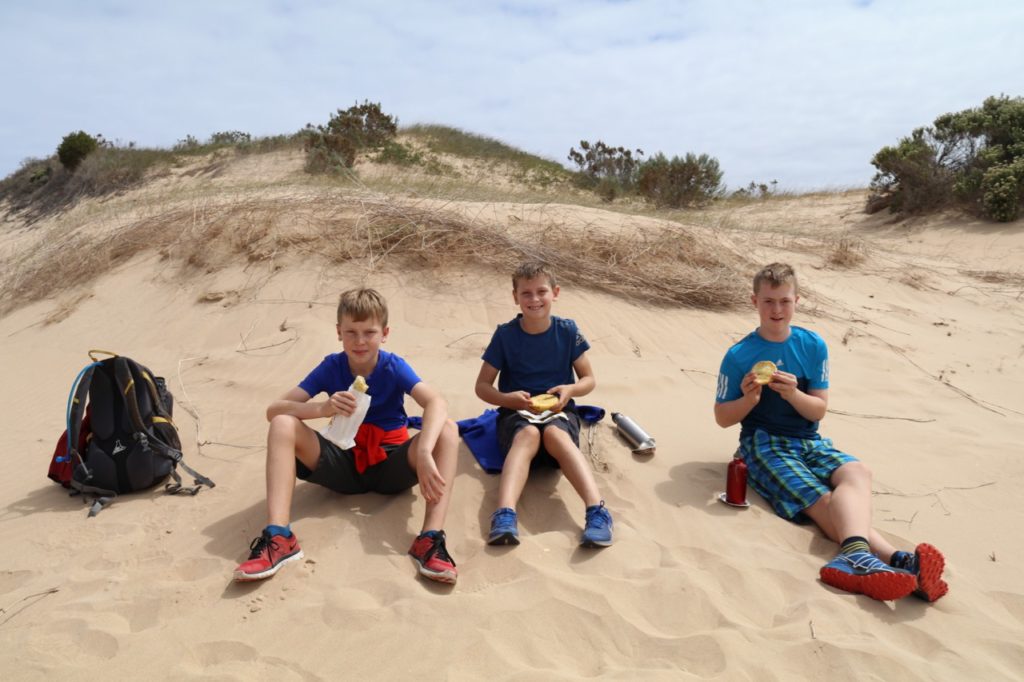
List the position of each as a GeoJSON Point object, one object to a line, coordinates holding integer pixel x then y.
{"type": "Point", "coordinates": [854, 543]}
{"type": "Point", "coordinates": [286, 531]}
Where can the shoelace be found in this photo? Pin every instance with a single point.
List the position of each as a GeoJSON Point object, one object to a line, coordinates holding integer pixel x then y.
{"type": "Point", "coordinates": [863, 561]}
{"type": "Point", "coordinates": [598, 517]}
{"type": "Point", "coordinates": [438, 548]}
{"type": "Point", "coordinates": [503, 516]}
{"type": "Point", "coordinates": [259, 544]}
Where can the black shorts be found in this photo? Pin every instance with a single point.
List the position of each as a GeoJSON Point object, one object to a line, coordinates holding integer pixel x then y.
{"type": "Point", "coordinates": [510, 422]}
{"type": "Point", "coordinates": [336, 470]}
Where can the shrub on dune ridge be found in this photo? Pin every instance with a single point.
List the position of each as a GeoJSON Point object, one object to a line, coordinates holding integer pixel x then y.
{"type": "Point", "coordinates": [333, 147]}
{"type": "Point", "coordinates": [74, 148]}
{"type": "Point", "coordinates": [669, 265]}
{"type": "Point", "coordinates": [975, 156]}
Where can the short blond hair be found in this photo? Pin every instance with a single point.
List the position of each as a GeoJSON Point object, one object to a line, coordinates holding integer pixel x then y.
{"type": "Point", "coordinates": [532, 269]}
{"type": "Point", "coordinates": [775, 275]}
{"type": "Point", "coordinates": [363, 304]}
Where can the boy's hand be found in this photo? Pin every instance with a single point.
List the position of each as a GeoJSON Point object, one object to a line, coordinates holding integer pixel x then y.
{"type": "Point", "coordinates": [564, 393]}
{"type": "Point", "coordinates": [432, 484]}
{"type": "Point", "coordinates": [518, 400]}
{"type": "Point", "coordinates": [751, 389]}
{"type": "Point", "coordinates": [342, 402]}
{"type": "Point", "coordinates": [784, 384]}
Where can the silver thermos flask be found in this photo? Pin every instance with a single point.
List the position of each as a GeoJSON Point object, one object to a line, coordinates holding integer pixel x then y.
{"type": "Point", "coordinates": [638, 439]}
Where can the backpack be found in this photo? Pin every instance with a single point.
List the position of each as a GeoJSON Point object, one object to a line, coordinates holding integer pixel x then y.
{"type": "Point", "coordinates": [123, 439]}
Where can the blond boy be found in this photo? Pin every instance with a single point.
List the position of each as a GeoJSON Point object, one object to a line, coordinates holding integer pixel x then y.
{"type": "Point", "coordinates": [796, 470]}
{"type": "Point", "coordinates": [384, 460]}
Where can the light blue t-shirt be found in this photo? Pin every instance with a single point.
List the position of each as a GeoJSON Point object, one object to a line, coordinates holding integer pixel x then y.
{"type": "Point", "coordinates": [804, 354]}
{"type": "Point", "coordinates": [535, 362]}
{"type": "Point", "coordinates": [388, 383]}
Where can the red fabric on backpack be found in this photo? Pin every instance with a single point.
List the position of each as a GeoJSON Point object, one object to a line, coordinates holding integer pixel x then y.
{"type": "Point", "coordinates": [60, 464]}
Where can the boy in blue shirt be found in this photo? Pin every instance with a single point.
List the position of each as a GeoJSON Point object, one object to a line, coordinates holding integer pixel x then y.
{"type": "Point", "coordinates": [539, 353]}
{"type": "Point", "coordinates": [795, 469]}
{"type": "Point", "coordinates": [384, 460]}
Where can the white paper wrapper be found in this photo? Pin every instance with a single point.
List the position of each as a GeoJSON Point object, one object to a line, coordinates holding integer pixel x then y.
{"type": "Point", "coordinates": [341, 430]}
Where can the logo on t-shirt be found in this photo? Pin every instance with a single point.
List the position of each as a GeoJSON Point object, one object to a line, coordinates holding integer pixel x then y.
{"type": "Point", "coordinates": [579, 339]}
{"type": "Point", "coordinates": [723, 386]}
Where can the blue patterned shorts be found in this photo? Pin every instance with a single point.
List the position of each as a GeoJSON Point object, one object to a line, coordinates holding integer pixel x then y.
{"type": "Point", "coordinates": [790, 473]}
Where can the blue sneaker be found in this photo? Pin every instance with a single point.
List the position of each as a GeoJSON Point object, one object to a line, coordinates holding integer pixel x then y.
{"type": "Point", "coordinates": [864, 573]}
{"type": "Point", "coordinates": [504, 528]}
{"type": "Point", "coordinates": [598, 531]}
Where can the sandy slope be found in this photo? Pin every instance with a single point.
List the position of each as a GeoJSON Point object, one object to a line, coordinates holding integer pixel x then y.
{"type": "Point", "coordinates": [926, 363]}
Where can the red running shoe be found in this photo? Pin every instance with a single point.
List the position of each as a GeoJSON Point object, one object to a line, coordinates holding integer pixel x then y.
{"type": "Point", "coordinates": [268, 554]}
{"type": "Point", "coordinates": [864, 573]}
{"type": "Point", "coordinates": [929, 564]}
{"type": "Point", "coordinates": [430, 553]}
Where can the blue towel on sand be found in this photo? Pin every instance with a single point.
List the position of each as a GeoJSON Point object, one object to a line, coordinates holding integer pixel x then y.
{"type": "Point", "coordinates": [481, 434]}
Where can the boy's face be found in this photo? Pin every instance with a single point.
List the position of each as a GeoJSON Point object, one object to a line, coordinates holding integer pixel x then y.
{"type": "Point", "coordinates": [775, 306]}
{"type": "Point", "coordinates": [361, 340]}
{"type": "Point", "coordinates": [535, 297]}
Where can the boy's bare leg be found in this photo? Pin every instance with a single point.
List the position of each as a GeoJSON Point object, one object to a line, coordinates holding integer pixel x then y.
{"type": "Point", "coordinates": [288, 439]}
{"type": "Point", "coordinates": [846, 511]}
{"type": "Point", "coordinates": [574, 465]}
{"type": "Point", "coordinates": [819, 513]}
{"type": "Point", "coordinates": [516, 468]}
{"type": "Point", "coordinates": [445, 454]}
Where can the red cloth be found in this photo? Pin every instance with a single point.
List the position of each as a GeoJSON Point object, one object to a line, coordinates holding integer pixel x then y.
{"type": "Point", "coordinates": [370, 438]}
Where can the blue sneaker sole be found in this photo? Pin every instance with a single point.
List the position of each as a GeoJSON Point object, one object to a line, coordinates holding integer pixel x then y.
{"type": "Point", "coordinates": [595, 544]}
{"type": "Point", "coordinates": [503, 539]}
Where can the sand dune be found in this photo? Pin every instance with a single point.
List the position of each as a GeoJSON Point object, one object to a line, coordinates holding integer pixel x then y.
{"type": "Point", "coordinates": [926, 340]}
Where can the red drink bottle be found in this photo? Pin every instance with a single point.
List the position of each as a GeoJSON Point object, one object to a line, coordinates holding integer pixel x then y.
{"type": "Point", "coordinates": [736, 482]}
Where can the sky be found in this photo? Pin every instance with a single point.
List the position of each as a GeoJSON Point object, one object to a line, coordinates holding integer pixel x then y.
{"type": "Point", "coordinates": [802, 92]}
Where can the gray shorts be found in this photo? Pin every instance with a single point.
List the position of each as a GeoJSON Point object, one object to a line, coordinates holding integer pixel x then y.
{"type": "Point", "coordinates": [336, 470]}
{"type": "Point", "coordinates": [510, 422]}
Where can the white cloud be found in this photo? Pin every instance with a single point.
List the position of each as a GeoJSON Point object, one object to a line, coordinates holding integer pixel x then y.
{"type": "Point", "coordinates": [803, 92]}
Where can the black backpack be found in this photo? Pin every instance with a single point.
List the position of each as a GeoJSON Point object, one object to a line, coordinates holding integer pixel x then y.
{"type": "Point", "coordinates": [132, 444]}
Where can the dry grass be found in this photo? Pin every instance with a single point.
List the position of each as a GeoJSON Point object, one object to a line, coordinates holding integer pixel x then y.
{"type": "Point", "coordinates": [668, 265]}
{"type": "Point", "coordinates": [846, 252]}
{"type": "Point", "coordinates": [996, 277]}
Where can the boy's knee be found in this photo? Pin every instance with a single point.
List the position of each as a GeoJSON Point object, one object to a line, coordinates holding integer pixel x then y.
{"type": "Point", "coordinates": [554, 436]}
{"type": "Point", "coordinates": [449, 433]}
{"type": "Point", "coordinates": [528, 435]}
{"type": "Point", "coordinates": [284, 424]}
{"type": "Point", "coordinates": [854, 471]}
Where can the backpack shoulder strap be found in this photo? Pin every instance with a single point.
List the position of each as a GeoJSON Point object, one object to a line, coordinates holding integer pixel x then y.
{"type": "Point", "coordinates": [130, 375]}
{"type": "Point", "coordinates": [76, 408]}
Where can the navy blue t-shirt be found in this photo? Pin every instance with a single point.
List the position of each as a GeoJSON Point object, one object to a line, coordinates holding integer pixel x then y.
{"type": "Point", "coordinates": [535, 362]}
{"type": "Point", "coordinates": [388, 383]}
{"type": "Point", "coordinates": [804, 354]}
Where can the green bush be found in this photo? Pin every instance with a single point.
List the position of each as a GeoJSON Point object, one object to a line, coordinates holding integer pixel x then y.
{"type": "Point", "coordinates": [230, 138]}
{"type": "Point", "coordinates": [335, 145]}
{"type": "Point", "coordinates": [601, 165]}
{"type": "Point", "coordinates": [1001, 191]}
{"type": "Point", "coordinates": [399, 154]}
{"type": "Point", "coordinates": [912, 174]}
{"type": "Point", "coordinates": [975, 156]}
{"type": "Point", "coordinates": [74, 148]}
{"type": "Point", "coordinates": [678, 182]}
